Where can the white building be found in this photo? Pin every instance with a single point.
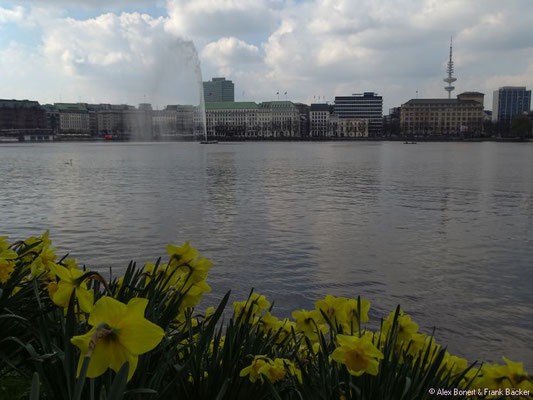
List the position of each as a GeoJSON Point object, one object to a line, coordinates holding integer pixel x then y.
{"type": "Point", "coordinates": [73, 118]}
{"type": "Point", "coordinates": [319, 115]}
{"type": "Point", "coordinates": [284, 118]}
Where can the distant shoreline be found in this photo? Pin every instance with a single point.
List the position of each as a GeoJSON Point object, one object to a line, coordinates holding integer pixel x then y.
{"type": "Point", "coordinates": [409, 140]}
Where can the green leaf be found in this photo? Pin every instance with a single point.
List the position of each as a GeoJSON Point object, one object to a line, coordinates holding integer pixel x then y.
{"type": "Point", "coordinates": [116, 391]}
{"type": "Point", "coordinates": [34, 394]}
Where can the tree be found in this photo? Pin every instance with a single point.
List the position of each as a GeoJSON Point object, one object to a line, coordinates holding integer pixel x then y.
{"type": "Point", "coordinates": [521, 126]}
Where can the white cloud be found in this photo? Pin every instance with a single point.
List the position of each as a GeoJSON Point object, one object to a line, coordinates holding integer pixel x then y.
{"type": "Point", "coordinates": [215, 18]}
{"type": "Point", "coordinates": [307, 48]}
{"type": "Point", "coordinates": [111, 58]}
{"type": "Point", "coordinates": [15, 14]}
{"type": "Point", "coordinates": [230, 51]}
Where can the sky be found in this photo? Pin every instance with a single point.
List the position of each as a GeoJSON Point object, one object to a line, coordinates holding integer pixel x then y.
{"type": "Point", "coordinates": [131, 51]}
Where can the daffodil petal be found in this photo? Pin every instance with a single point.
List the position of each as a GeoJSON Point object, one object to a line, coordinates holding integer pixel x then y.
{"type": "Point", "coordinates": [61, 271]}
{"type": "Point", "coordinates": [139, 335]}
{"type": "Point", "coordinates": [100, 358]}
{"type": "Point", "coordinates": [82, 341]}
{"type": "Point", "coordinates": [136, 306]}
{"type": "Point", "coordinates": [107, 310]}
{"type": "Point", "coordinates": [62, 295]}
{"type": "Point", "coordinates": [85, 299]}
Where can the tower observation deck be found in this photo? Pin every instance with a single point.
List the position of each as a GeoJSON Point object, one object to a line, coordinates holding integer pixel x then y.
{"type": "Point", "coordinates": [449, 70]}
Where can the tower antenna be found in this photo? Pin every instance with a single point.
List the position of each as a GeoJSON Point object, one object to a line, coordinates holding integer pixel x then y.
{"type": "Point", "coordinates": [450, 79]}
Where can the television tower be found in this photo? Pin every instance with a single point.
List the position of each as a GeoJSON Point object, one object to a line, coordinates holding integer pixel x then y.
{"type": "Point", "coordinates": [450, 79]}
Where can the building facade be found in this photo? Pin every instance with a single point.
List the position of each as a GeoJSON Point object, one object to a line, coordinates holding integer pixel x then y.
{"type": "Point", "coordinates": [305, 122]}
{"type": "Point", "coordinates": [319, 115]}
{"type": "Point", "coordinates": [22, 115]}
{"type": "Point", "coordinates": [444, 117]}
{"type": "Point", "coordinates": [367, 106]}
{"type": "Point", "coordinates": [350, 127]}
{"type": "Point", "coordinates": [274, 119]}
{"type": "Point", "coordinates": [73, 119]}
{"type": "Point", "coordinates": [510, 101]}
{"type": "Point", "coordinates": [229, 119]}
{"type": "Point", "coordinates": [219, 89]}
{"type": "Point", "coordinates": [282, 118]}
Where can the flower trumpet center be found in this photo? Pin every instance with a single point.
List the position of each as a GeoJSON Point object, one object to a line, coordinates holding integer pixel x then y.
{"type": "Point", "coordinates": [355, 360]}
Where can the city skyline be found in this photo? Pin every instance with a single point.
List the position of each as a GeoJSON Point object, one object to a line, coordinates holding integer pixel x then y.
{"type": "Point", "coordinates": [64, 52]}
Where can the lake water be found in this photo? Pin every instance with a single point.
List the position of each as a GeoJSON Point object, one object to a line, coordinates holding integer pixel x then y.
{"type": "Point", "coordinates": [444, 229]}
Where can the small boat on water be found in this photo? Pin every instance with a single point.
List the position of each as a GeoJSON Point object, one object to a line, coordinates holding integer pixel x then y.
{"type": "Point", "coordinates": [209, 142]}
{"type": "Point", "coordinates": [409, 143]}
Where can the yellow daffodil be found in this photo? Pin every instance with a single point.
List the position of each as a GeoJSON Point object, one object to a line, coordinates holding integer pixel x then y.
{"type": "Point", "coordinates": [194, 294]}
{"type": "Point", "coordinates": [257, 303]}
{"type": "Point", "coordinates": [70, 263]}
{"type": "Point", "coordinates": [517, 377]}
{"type": "Point", "coordinates": [333, 307]}
{"type": "Point", "coordinates": [209, 312]}
{"type": "Point", "coordinates": [351, 308]}
{"type": "Point", "coordinates": [269, 322]}
{"type": "Point", "coordinates": [406, 327]}
{"type": "Point", "coordinates": [43, 262]}
{"type": "Point", "coordinates": [119, 334]}
{"type": "Point", "coordinates": [283, 329]}
{"type": "Point", "coordinates": [307, 323]}
{"type": "Point", "coordinates": [4, 245]}
{"type": "Point", "coordinates": [454, 365]}
{"type": "Point", "coordinates": [359, 355]}
{"type": "Point", "coordinates": [7, 262]}
{"type": "Point", "coordinates": [275, 371]}
{"type": "Point", "coordinates": [43, 240]}
{"type": "Point", "coordinates": [197, 269]}
{"type": "Point", "coordinates": [70, 281]}
{"type": "Point", "coordinates": [181, 254]}
{"type": "Point", "coordinates": [253, 371]}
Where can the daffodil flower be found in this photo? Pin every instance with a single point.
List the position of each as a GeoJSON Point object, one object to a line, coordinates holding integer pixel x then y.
{"type": "Point", "coordinates": [119, 334]}
{"type": "Point", "coordinates": [253, 371]}
{"type": "Point", "coordinates": [70, 281]}
{"type": "Point", "coordinates": [333, 307]}
{"type": "Point", "coordinates": [7, 262]}
{"type": "Point", "coordinates": [359, 354]}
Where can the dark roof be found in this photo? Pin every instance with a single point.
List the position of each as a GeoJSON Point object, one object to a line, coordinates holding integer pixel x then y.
{"type": "Point", "coordinates": [4, 103]}
{"type": "Point", "coordinates": [440, 101]}
{"type": "Point", "coordinates": [67, 107]}
{"type": "Point", "coordinates": [319, 107]}
{"type": "Point", "coordinates": [472, 94]}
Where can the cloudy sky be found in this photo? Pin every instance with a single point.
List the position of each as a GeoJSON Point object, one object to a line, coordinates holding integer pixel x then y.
{"type": "Point", "coordinates": [133, 50]}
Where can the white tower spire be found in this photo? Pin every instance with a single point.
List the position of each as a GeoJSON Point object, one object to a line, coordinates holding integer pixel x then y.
{"type": "Point", "coordinates": [450, 79]}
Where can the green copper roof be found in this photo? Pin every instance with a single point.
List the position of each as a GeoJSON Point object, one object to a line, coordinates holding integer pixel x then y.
{"type": "Point", "coordinates": [230, 105]}
{"type": "Point", "coordinates": [70, 107]}
{"type": "Point", "coordinates": [277, 104]}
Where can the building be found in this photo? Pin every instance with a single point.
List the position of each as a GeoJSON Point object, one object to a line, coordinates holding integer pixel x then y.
{"type": "Point", "coordinates": [509, 101]}
{"type": "Point", "coordinates": [229, 119]}
{"type": "Point", "coordinates": [138, 122]}
{"type": "Point", "coordinates": [73, 118]}
{"type": "Point", "coordinates": [319, 115]}
{"type": "Point", "coordinates": [283, 118]}
{"type": "Point", "coordinates": [350, 127]}
{"type": "Point", "coordinates": [110, 119]}
{"type": "Point", "coordinates": [367, 106]}
{"type": "Point", "coordinates": [23, 120]}
{"type": "Point", "coordinates": [219, 89]}
{"type": "Point", "coordinates": [52, 118]}
{"type": "Point", "coordinates": [391, 123]}
{"type": "Point", "coordinates": [305, 122]}
{"type": "Point", "coordinates": [444, 117]}
{"type": "Point", "coordinates": [21, 114]}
